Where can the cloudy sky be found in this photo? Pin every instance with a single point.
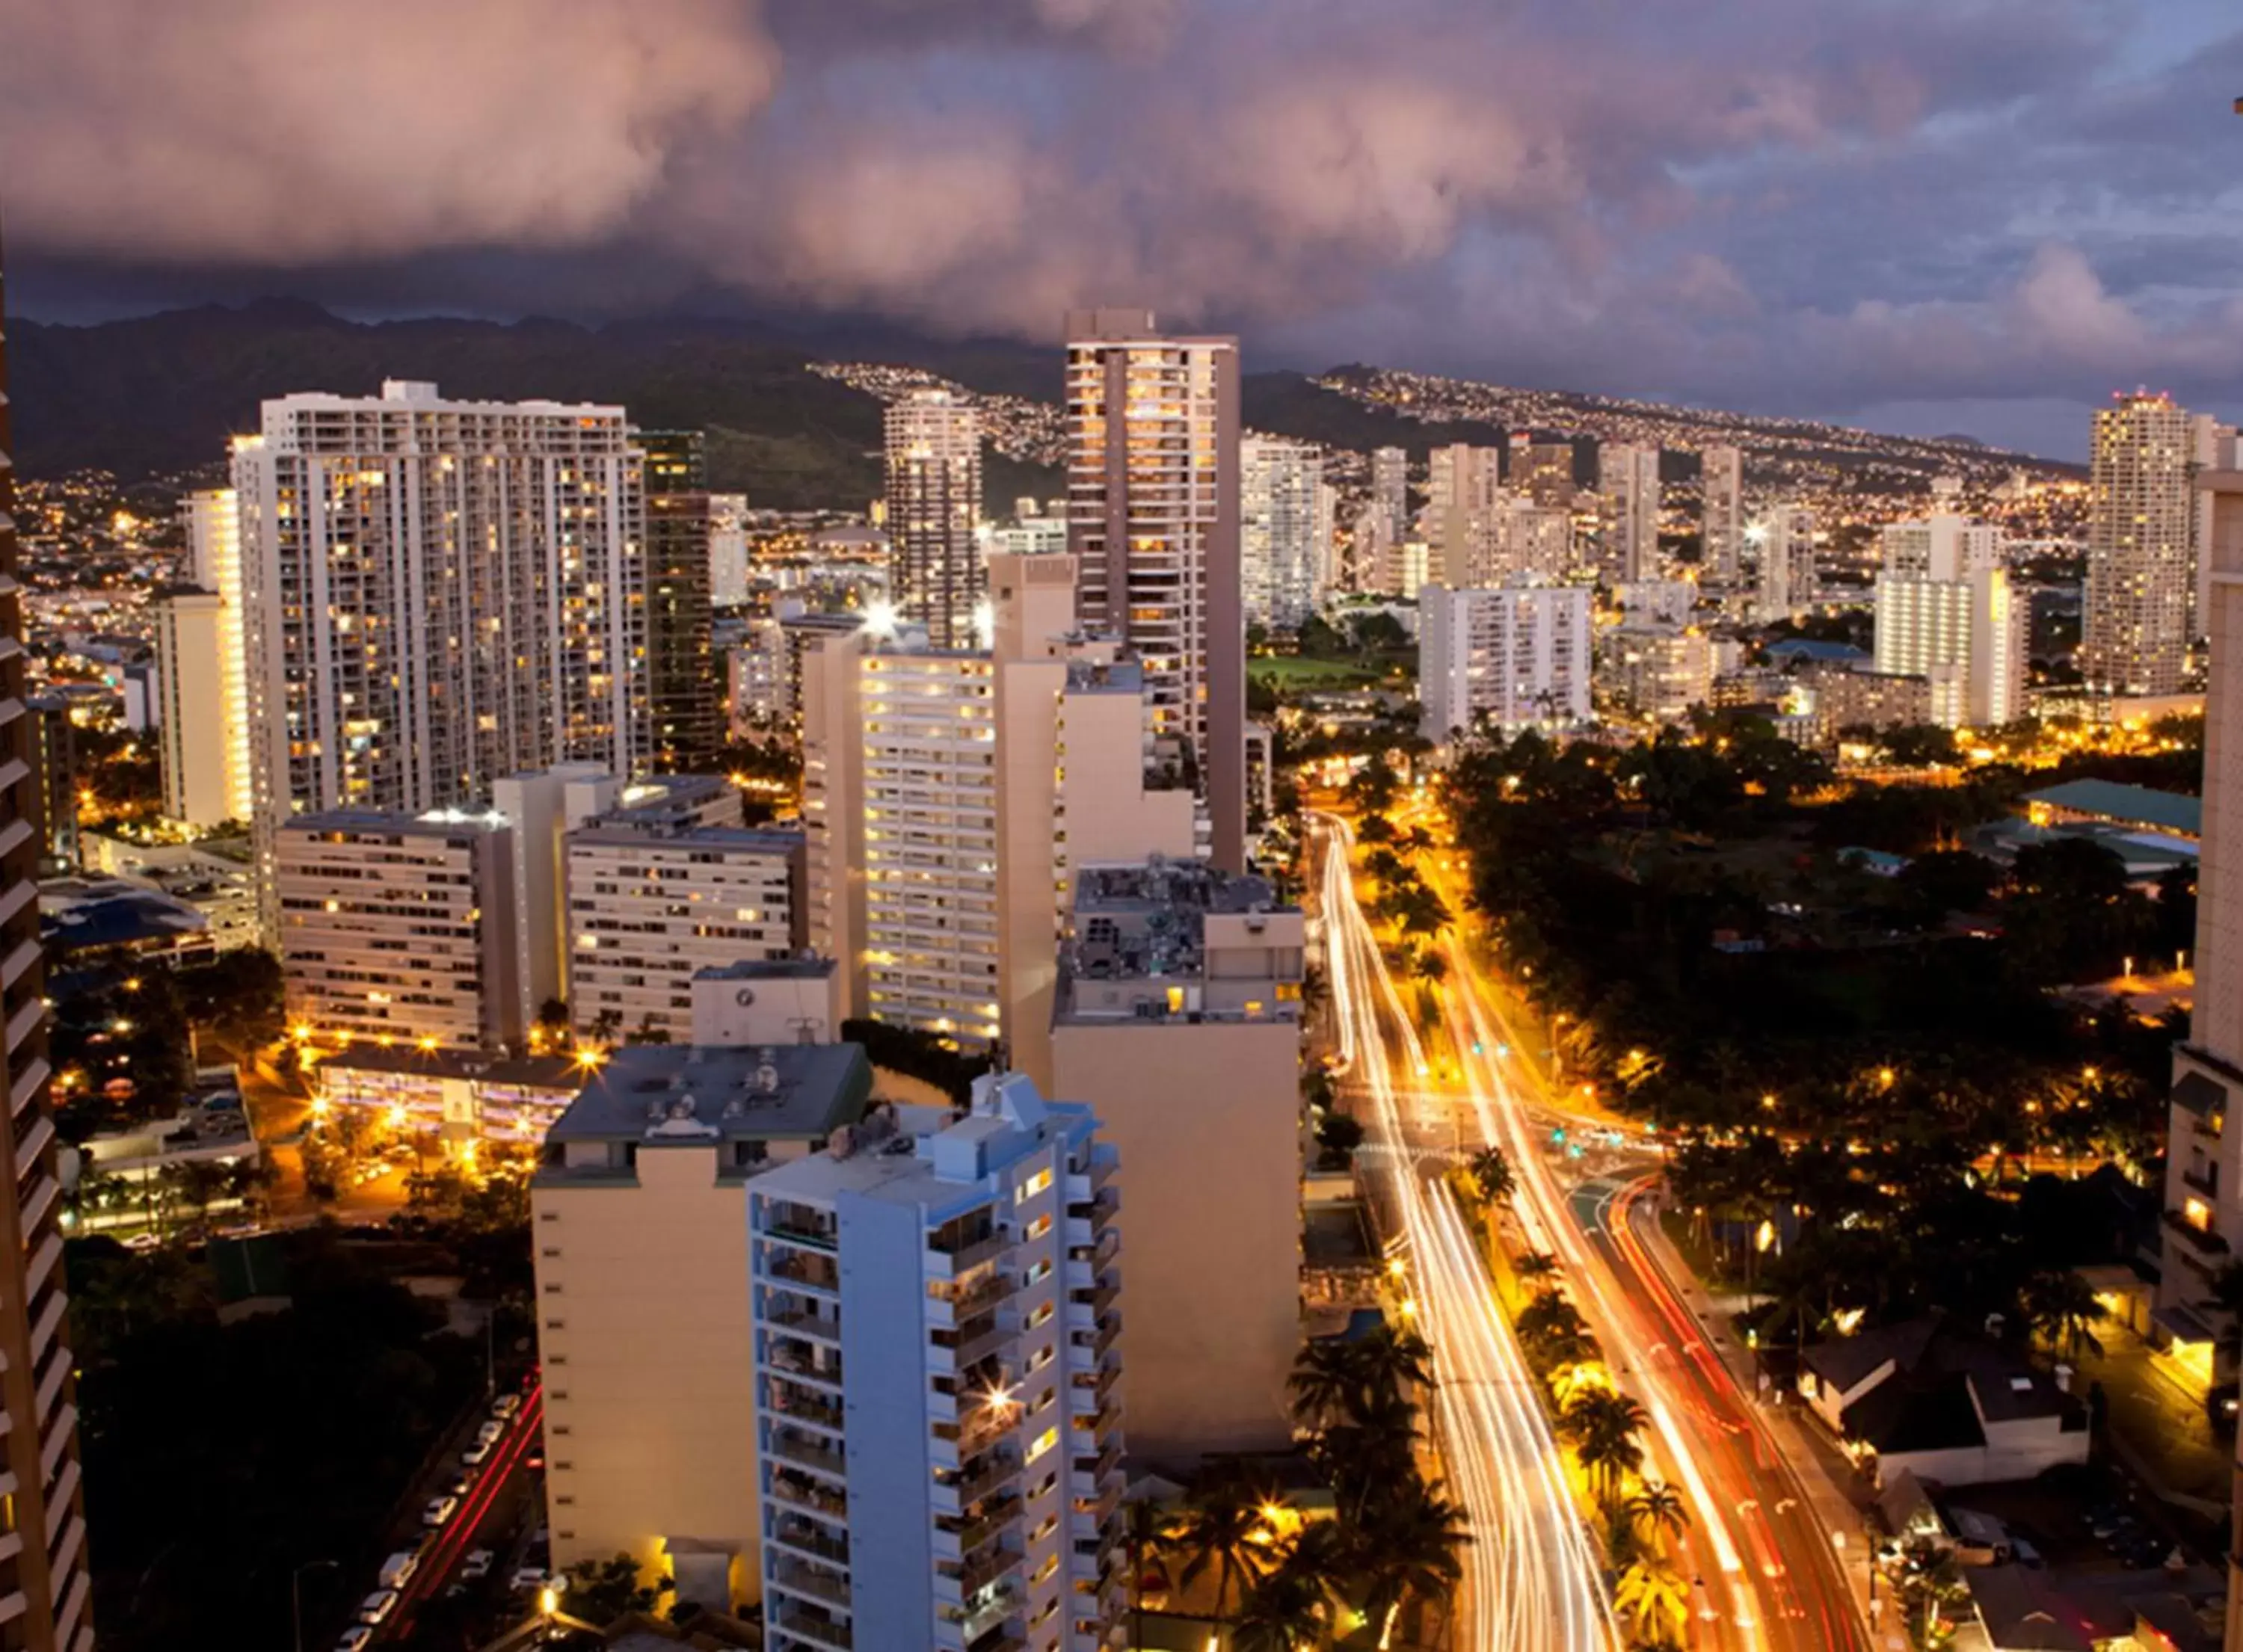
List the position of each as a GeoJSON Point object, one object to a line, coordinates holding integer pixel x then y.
{"type": "Point", "coordinates": [1932, 215]}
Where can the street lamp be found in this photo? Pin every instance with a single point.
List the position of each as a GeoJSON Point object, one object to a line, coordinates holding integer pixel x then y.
{"type": "Point", "coordinates": [296, 1595]}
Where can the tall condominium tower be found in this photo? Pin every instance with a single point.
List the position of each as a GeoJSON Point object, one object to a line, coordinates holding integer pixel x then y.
{"type": "Point", "coordinates": [2140, 527]}
{"type": "Point", "coordinates": [939, 1429]}
{"type": "Point", "coordinates": [1787, 578]}
{"type": "Point", "coordinates": [684, 712]}
{"type": "Point", "coordinates": [1627, 476]}
{"type": "Point", "coordinates": [44, 1584]}
{"type": "Point", "coordinates": [1543, 470]}
{"type": "Point", "coordinates": [1280, 516]}
{"type": "Point", "coordinates": [221, 738]}
{"type": "Point", "coordinates": [1385, 522]}
{"type": "Point", "coordinates": [2212, 447]}
{"type": "Point", "coordinates": [1517, 654]}
{"type": "Point", "coordinates": [1152, 474]}
{"type": "Point", "coordinates": [1463, 488]}
{"type": "Point", "coordinates": [934, 501]}
{"type": "Point", "coordinates": [1722, 525]}
{"type": "Point", "coordinates": [2204, 1158]}
{"type": "Point", "coordinates": [436, 594]}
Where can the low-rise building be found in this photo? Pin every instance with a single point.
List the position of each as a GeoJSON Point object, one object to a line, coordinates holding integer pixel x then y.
{"type": "Point", "coordinates": [640, 1223]}
{"type": "Point", "coordinates": [935, 1313]}
{"type": "Point", "coordinates": [1657, 672]}
{"type": "Point", "coordinates": [795, 1000]}
{"type": "Point", "coordinates": [1943, 1404]}
{"type": "Point", "coordinates": [400, 928]}
{"type": "Point", "coordinates": [1178, 1020]}
{"type": "Point", "coordinates": [1844, 700]}
{"type": "Point", "coordinates": [464, 1098]}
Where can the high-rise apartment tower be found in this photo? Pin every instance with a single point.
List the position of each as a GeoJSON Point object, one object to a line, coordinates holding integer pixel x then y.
{"type": "Point", "coordinates": [934, 500]}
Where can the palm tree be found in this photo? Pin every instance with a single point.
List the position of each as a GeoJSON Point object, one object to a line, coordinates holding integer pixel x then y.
{"type": "Point", "coordinates": [1327, 1376]}
{"type": "Point", "coordinates": [1568, 1383]}
{"type": "Point", "coordinates": [1656, 1598]}
{"type": "Point", "coordinates": [1221, 1527]}
{"type": "Point", "coordinates": [1603, 1423]}
{"type": "Point", "coordinates": [1497, 1182]}
{"type": "Point", "coordinates": [1430, 967]}
{"type": "Point", "coordinates": [1285, 1612]}
{"type": "Point", "coordinates": [1550, 1318]}
{"type": "Point", "coordinates": [1413, 1552]}
{"type": "Point", "coordinates": [1371, 1454]}
{"type": "Point", "coordinates": [2061, 1305]}
{"type": "Point", "coordinates": [1395, 1361]}
{"type": "Point", "coordinates": [1535, 1264]}
{"type": "Point", "coordinates": [1657, 1511]}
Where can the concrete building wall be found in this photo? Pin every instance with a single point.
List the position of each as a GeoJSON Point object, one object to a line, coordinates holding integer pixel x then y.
{"type": "Point", "coordinates": [1207, 1119]}
{"type": "Point", "coordinates": [191, 677]}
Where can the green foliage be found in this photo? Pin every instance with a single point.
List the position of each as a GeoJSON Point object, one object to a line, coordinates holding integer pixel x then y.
{"type": "Point", "coordinates": [918, 1055]}
{"type": "Point", "coordinates": [602, 1591]}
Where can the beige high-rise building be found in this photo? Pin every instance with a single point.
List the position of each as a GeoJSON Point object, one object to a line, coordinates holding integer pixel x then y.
{"type": "Point", "coordinates": [640, 1215]}
{"type": "Point", "coordinates": [436, 594]}
{"type": "Point", "coordinates": [1282, 515]}
{"type": "Point", "coordinates": [946, 796]}
{"type": "Point", "coordinates": [1721, 522]}
{"type": "Point", "coordinates": [1153, 495]}
{"type": "Point", "coordinates": [935, 574]}
{"type": "Point", "coordinates": [2141, 525]}
{"type": "Point", "coordinates": [1628, 477]}
{"type": "Point", "coordinates": [2211, 449]}
{"type": "Point", "coordinates": [1178, 1020]}
{"type": "Point", "coordinates": [1523, 540]}
{"type": "Point", "coordinates": [200, 787]}
{"type": "Point", "coordinates": [1543, 471]}
{"type": "Point", "coordinates": [214, 519]}
{"type": "Point", "coordinates": [1789, 579]}
{"type": "Point", "coordinates": [44, 1583]}
{"type": "Point", "coordinates": [1464, 487]}
{"type": "Point", "coordinates": [399, 929]}
{"type": "Point", "coordinates": [2204, 1145]}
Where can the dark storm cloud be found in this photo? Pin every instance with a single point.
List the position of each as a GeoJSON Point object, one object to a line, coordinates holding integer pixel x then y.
{"type": "Point", "coordinates": [1802, 202]}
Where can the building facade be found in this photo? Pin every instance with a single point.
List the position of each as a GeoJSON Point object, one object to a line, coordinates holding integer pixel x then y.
{"type": "Point", "coordinates": [1543, 471]}
{"type": "Point", "coordinates": [1627, 477]}
{"type": "Point", "coordinates": [1722, 520]}
{"type": "Point", "coordinates": [650, 909]}
{"type": "Point", "coordinates": [685, 719]}
{"type": "Point", "coordinates": [2141, 526]}
{"type": "Point", "coordinates": [46, 1585]}
{"type": "Point", "coordinates": [213, 523]}
{"type": "Point", "coordinates": [936, 574]}
{"type": "Point", "coordinates": [1179, 1021]}
{"type": "Point", "coordinates": [938, 1421]}
{"type": "Point", "coordinates": [1462, 485]}
{"type": "Point", "coordinates": [1281, 519]}
{"type": "Point", "coordinates": [399, 929]}
{"type": "Point", "coordinates": [1153, 494]}
{"type": "Point", "coordinates": [436, 594]}
{"type": "Point", "coordinates": [1515, 654]}
{"type": "Point", "coordinates": [1790, 583]}
{"type": "Point", "coordinates": [190, 708]}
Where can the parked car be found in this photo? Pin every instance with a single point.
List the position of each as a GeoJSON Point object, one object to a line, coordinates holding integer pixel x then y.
{"type": "Point", "coordinates": [440, 1510]}
{"type": "Point", "coordinates": [491, 1433]}
{"type": "Point", "coordinates": [478, 1564]}
{"type": "Point", "coordinates": [397, 1571]}
{"type": "Point", "coordinates": [476, 1452]}
{"type": "Point", "coordinates": [355, 1638]}
{"type": "Point", "coordinates": [528, 1580]}
{"type": "Point", "coordinates": [506, 1405]}
{"type": "Point", "coordinates": [462, 1485]}
{"type": "Point", "coordinates": [377, 1606]}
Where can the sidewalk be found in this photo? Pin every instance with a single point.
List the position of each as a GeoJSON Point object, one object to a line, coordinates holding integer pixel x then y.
{"type": "Point", "coordinates": [1833, 1489]}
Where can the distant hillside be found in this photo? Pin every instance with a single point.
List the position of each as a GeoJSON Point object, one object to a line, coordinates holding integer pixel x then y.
{"type": "Point", "coordinates": [160, 394]}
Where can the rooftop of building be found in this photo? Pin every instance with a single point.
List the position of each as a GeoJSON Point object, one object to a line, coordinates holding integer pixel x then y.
{"type": "Point", "coordinates": [1104, 676]}
{"type": "Point", "coordinates": [932, 1168]}
{"type": "Point", "coordinates": [438, 822]}
{"type": "Point", "coordinates": [620, 831]}
{"type": "Point", "coordinates": [1149, 919]}
{"type": "Point", "coordinates": [664, 794]}
{"type": "Point", "coordinates": [88, 917]}
{"type": "Point", "coordinates": [2123, 805]}
{"type": "Point", "coordinates": [546, 1072]}
{"type": "Point", "coordinates": [1819, 652]}
{"type": "Point", "coordinates": [807, 967]}
{"type": "Point", "coordinates": [697, 1095]}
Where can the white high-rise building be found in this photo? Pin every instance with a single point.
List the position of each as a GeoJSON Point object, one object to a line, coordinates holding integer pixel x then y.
{"type": "Point", "coordinates": [939, 1425]}
{"type": "Point", "coordinates": [436, 594]}
{"type": "Point", "coordinates": [2141, 526]}
{"type": "Point", "coordinates": [728, 550]}
{"type": "Point", "coordinates": [946, 796]}
{"type": "Point", "coordinates": [1788, 583]}
{"type": "Point", "coordinates": [1329, 574]}
{"type": "Point", "coordinates": [1278, 512]}
{"type": "Point", "coordinates": [1941, 547]}
{"type": "Point", "coordinates": [213, 521]}
{"type": "Point", "coordinates": [1516, 655]}
{"type": "Point", "coordinates": [1721, 526]}
{"type": "Point", "coordinates": [1628, 477]}
{"type": "Point", "coordinates": [1153, 494]}
{"type": "Point", "coordinates": [1464, 485]}
{"type": "Point", "coordinates": [1384, 521]}
{"type": "Point", "coordinates": [935, 574]}
{"type": "Point", "coordinates": [1945, 613]}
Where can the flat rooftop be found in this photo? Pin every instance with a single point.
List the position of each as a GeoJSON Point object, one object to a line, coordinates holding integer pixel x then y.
{"type": "Point", "coordinates": [545, 1072]}
{"type": "Point", "coordinates": [802, 968]}
{"type": "Point", "coordinates": [1150, 920]}
{"type": "Point", "coordinates": [693, 1095]}
{"type": "Point", "coordinates": [2107, 800]}
{"type": "Point", "coordinates": [621, 833]}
